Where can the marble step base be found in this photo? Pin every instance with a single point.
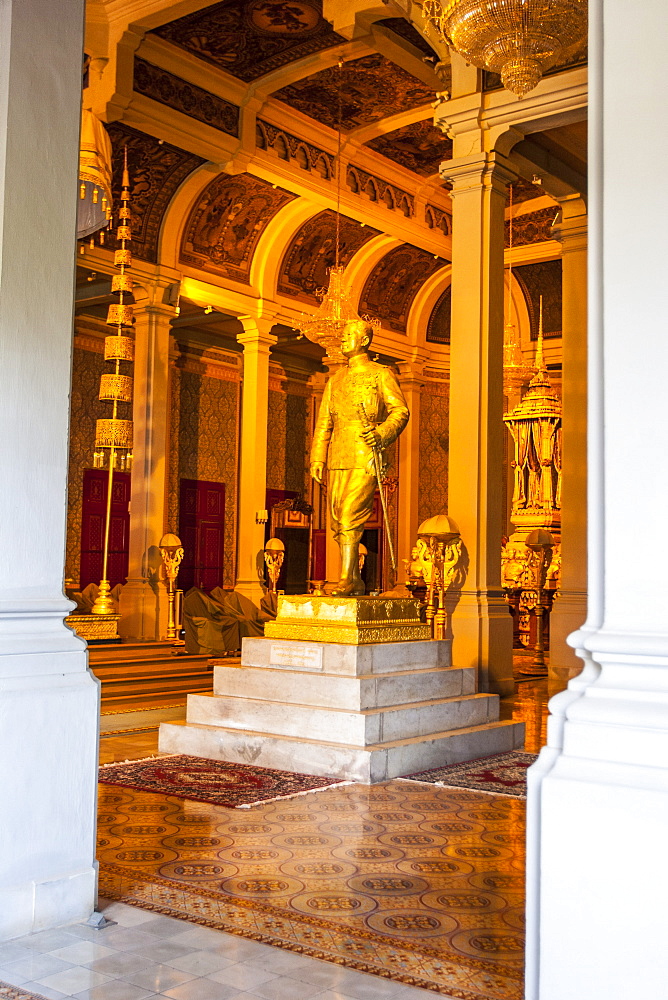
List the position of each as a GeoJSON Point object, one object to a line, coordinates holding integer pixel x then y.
{"type": "Point", "coordinates": [356, 728]}
{"type": "Point", "coordinates": [355, 693]}
{"type": "Point", "coordinates": [370, 764]}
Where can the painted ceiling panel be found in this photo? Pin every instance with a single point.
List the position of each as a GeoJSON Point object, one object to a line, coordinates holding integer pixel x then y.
{"type": "Point", "coordinates": [249, 38]}
{"type": "Point", "coordinates": [372, 88]}
{"type": "Point", "coordinates": [419, 147]}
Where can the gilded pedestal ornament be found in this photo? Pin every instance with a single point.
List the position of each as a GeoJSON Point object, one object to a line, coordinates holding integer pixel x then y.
{"type": "Point", "coordinates": [535, 425]}
{"type": "Point", "coordinates": [171, 551]}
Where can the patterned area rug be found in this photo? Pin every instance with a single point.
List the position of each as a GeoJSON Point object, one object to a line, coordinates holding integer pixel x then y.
{"type": "Point", "coordinates": [8, 992]}
{"type": "Point", "coordinates": [500, 774]}
{"type": "Point", "coordinates": [218, 782]}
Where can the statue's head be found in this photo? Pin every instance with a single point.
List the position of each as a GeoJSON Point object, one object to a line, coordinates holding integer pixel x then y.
{"type": "Point", "coordinates": [356, 338]}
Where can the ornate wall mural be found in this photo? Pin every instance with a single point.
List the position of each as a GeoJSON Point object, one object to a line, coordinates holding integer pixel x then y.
{"type": "Point", "coordinates": [312, 252]}
{"type": "Point", "coordinates": [226, 223]}
{"type": "Point", "coordinates": [419, 147]}
{"type": "Point", "coordinates": [168, 89]}
{"type": "Point", "coordinates": [394, 282]}
{"type": "Point", "coordinates": [156, 172]}
{"type": "Point", "coordinates": [434, 449]}
{"type": "Point", "coordinates": [204, 423]}
{"type": "Point", "coordinates": [543, 278]}
{"type": "Point", "coordinates": [438, 327]}
{"type": "Point", "coordinates": [249, 38]}
{"type": "Point", "coordinates": [85, 409]}
{"type": "Point", "coordinates": [534, 227]}
{"type": "Point", "coordinates": [372, 88]}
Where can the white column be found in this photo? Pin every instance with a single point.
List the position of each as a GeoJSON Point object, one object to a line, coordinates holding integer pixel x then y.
{"type": "Point", "coordinates": [570, 609]}
{"type": "Point", "coordinates": [143, 603]}
{"type": "Point", "coordinates": [257, 341]}
{"type": "Point", "coordinates": [598, 796]}
{"type": "Point", "coordinates": [409, 464]}
{"type": "Point", "coordinates": [481, 624]}
{"type": "Point", "coordinates": [49, 702]}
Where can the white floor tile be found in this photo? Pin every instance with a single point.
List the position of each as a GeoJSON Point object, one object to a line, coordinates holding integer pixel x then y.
{"type": "Point", "coordinates": [160, 978]}
{"type": "Point", "coordinates": [284, 988]}
{"type": "Point", "coordinates": [198, 938]}
{"type": "Point", "coordinates": [81, 953]}
{"type": "Point", "coordinates": [200, 963]}
{"type": "Point", "coordinates": [201, 989]}
{"type": "Point", "coordinates": [119, 965]}
{"type": "Point", "coordinates": [242, 976]}
{"type": "Point", "coordinates": [74, 980]}
{"type": "Point", "coordinates": [45, 991]}
{"type": "Point", "coordinates": [36, 967]}
{"type": "Point", "coordinates": [115, 990]}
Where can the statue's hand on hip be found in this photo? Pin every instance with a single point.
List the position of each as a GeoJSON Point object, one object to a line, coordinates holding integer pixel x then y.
{"type": "Point", "coordinates": [317, 469]}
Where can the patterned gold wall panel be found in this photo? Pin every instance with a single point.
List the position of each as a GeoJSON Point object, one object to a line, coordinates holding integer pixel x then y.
{"type": "Point", "coordinates": [434, 445]}
{"type": "Point", "coordinates": [204, 437]}
{"type": "Point", "coordinates": [287, 442]}
{"type": "Point", "coordinates": [85, 409]}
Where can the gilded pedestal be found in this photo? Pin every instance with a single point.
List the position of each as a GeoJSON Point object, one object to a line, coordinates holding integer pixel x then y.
{"type": "Point", "coordinates": [354, 621]}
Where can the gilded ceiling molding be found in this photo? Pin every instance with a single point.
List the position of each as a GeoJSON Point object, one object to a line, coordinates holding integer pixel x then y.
{"type": "Point", "coordinates": [311, 253]}
{"type": "Point", "coordinates": [438, 218]}
{"type": "Point", "coordinates": [396, 279]}
{"type": "Point", "coordinates": [178, 94]}
{"type": "Point", "coordinates": [419, 147]}
{"type": "Point", "coordinates": [378, 190]}
{"type": "Point", "coordinates": [250, 38]}
{"type": "Point", "coordinates": [289, 147]}
{"type": "Point", "coordinates": [226, 223]}
{"type": "Point", "coordinates": [156, 171]}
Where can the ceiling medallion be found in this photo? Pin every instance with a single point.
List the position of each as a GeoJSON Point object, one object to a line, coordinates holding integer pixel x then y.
{"type": "Point", "coordinates": [519, 39]}
{"type": "Point", "coordinates": [278, 17]}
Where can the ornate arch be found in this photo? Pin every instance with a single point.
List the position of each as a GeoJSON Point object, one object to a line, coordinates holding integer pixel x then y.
{"type": "Point", "coordinates": [390, 289]}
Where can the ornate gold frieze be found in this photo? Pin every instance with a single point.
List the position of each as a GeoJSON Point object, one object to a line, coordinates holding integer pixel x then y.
{"type": "Point", "coordinates": [101, 628]}
{"type": "Point", "coordinates": [353, 621]}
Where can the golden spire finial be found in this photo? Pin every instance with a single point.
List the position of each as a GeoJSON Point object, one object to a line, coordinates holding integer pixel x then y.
{"type": "Point", "coordinates": [540, 360]}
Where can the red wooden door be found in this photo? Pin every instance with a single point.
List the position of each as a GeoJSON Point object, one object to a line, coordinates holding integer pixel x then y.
{"type": "Point", "coordinates": [93, 514]}
{"type": "Point", "coordinates": [202, 533]}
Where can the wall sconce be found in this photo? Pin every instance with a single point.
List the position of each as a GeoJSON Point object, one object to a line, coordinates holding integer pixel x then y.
{"type": "Point", "coordinates": [261, 516]}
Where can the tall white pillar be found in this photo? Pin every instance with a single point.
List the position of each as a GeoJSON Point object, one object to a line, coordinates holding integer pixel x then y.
{"type": "Point", "coordinates": [481, 624]}
{"type": "Point", "coordinates": [257, 341]}
{"type": "Point", "coordinates": [570, 609]}
{"type": "Point", "coordinates": [143, 603]}
{"type": "Point", "coordinates": [408, 447]}
{"type": "Point", "coordinates": [49, 700]}
{"type": "Point", "coordinates": [598, 795]}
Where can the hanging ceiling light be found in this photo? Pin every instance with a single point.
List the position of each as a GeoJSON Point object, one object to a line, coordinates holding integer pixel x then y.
{"type": "Point", "coordinates": [519, 39]}
{"type": "Point", "coordinates": [325, 327]}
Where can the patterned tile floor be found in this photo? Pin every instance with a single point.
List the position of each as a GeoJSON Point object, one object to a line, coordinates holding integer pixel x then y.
{"type": "Point", "coordinates": [423, 884]}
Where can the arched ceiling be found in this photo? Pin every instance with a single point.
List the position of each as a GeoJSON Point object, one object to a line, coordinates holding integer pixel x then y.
{"type": "Point", "coordinates": [396, 279]}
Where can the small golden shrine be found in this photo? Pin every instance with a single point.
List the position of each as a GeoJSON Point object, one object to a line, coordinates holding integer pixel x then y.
{"type": "Point", "coordinates": [353, 621]}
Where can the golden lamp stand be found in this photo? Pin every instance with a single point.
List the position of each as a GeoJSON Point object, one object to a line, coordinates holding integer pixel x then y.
{"type": "Point", "coordinates": [172, 554]}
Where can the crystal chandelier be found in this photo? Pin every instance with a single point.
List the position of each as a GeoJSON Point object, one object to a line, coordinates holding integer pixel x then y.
{"type": "Point", "coordinates": [325, 327]}
{"type": "Point", "coordinates": [519, 39]}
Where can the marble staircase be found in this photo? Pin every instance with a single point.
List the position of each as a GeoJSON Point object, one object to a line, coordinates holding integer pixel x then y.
{"type": "Point", "coordinates": [365, 713]}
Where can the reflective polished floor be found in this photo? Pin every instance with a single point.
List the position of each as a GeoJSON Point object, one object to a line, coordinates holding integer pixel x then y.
{"type": "Point", "coordinates": [422, 886]}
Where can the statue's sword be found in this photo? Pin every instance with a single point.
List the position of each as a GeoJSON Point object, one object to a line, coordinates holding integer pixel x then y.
{"type": "Point", "coordinates": [376, 462]}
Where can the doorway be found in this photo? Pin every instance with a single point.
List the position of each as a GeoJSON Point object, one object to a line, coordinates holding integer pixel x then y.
{"type": "Point", "coordinates": [202, 533]}
{"type": "Point", "coordinates": [93, 515]}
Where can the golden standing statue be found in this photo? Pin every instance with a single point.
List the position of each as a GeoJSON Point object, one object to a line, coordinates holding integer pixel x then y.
{"type": "Point", "coordinates": [363, 410]}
